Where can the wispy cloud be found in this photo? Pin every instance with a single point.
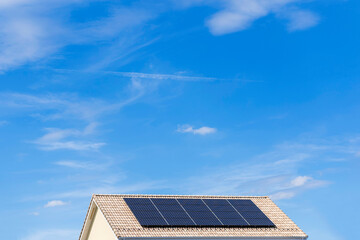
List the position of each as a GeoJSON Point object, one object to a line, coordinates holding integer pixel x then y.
{"type": "Point", "coordinates": [55, 203]}
{"type": "Point", "coordinates": [26, 38]}
{"type": "Point", "coordinates": [297, 185]}
{"type": "Point", "coordinates": [32, 30]}
{"type": "Point", "coordinates": [2, 123]}
{"type": "Point", "coordinates": [54, 106]}
{"type": "Point", "coordinates": [276, 173]}
{"type": "Point", "coordinates": [81, 165]}
{"type": "Point", "coordinates": [56, 139]}
{"type": "Point", "coordinates": [159, 76]}
{"type": "Point", "coordinates": [66, 105]}
{"type": "Point", "coordinates": [75, 192]}
{"type": "Point", "coordinates": [196, 131]}
{"type": "Point", "coordinates": [70, 107]}
{"type": "Point", "coordinates": [301, 19]}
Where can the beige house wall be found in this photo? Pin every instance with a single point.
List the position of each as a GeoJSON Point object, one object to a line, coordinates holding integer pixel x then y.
{"type": "Point", "coordinates": [100, 229]}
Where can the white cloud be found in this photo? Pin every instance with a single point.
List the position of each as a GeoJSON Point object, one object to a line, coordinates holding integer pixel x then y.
{"type": "Point", "coordinates": [300, 20]}
{"type": "Point", "coordinates": [238, 15]}
{"type": "Point", "coordinates": [196, 131]}
{"type": "Point", "coordinates": [300, 181]}
{"type": "Point", "coordinates": [53, 234]}
{"type": "Point", "coordinates": [55, 203]}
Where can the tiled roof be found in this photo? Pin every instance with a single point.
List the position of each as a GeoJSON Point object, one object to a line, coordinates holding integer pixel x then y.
{"type": "Point", "coordinates": [124, 223]}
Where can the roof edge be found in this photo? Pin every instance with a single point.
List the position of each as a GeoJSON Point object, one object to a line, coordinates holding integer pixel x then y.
{"type": "Point", "coordinates": [217, 238]}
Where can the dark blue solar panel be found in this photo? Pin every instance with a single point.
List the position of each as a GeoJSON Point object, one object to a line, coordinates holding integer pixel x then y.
{"type": "Point", "coordinates": [193, 203]}
{"type": "Point", "coordinates": [223, 215]}
{"type": "Point", "coordinates": [137, 201]}
{"type": "Point", "coordinates": [225, 212]}
{"type": "Point", "coordinates": [244, 207]}
{"type": "Point", "coordinates": [260, 222]}
{"type": "Point", "coordinates": [152, 222]}
{"type": "Point", "coordinates": [172, 212]}
{"type": "Point", "coordinates": [234, 222]}
{"type": "Point", "coordinates": [216, 202]}
{"type": "Point", "coordinates": [199, 212]}
{"type": "Point", "coordinates": [145, 212]}
{"type": "Point", "coordinates": [237, 202]}
{"type": "Point", "coordinates": [251, 213]}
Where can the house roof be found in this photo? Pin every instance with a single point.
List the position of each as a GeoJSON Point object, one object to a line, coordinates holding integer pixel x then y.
{"type": "Point", "coordinates": [124, 224]}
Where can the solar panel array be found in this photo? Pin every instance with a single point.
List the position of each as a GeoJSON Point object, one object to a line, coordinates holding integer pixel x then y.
{"type": "Point", "coordinates": [175, 212]}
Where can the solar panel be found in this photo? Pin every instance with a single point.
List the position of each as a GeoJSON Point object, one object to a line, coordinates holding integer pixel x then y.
{"type": "Point", "coordinates": [145, 212]}
{"type": "Point", "coordinates": [199, 212]}
{"type": "Point", "coordinates": [251, 213]}
{"type": "Point", "coordinates": [171, 212]}
{"type": "Point", "coordinates": [260, 222]}
{"type": "Point", "coordinates": [225, 212]}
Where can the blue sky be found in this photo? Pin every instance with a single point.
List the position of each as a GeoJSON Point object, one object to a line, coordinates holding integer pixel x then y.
{"type": "Point", "coordinates": [233, 97]}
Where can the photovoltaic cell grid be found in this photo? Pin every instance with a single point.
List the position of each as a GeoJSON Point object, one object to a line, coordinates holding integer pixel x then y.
{"type": "Point", "coordinates": [171, 212]}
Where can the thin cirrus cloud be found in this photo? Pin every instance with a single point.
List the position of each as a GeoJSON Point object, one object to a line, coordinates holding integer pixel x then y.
{"type": "Point", "coordinates": [158, 76]}
{"type": "Point", "coordinates": [32, 30]}
{"type": "Point", "coordinates": [56, 139]}
{"type": "Point", "coordinates": [196, 131]}
{"type": "Point", "coordinates": [71, 106]}
{"type": "Point", "coordinates": [62, 106]}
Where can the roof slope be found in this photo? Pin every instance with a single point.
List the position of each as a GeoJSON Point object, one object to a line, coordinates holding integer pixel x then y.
{"type": "Point", "coordinates": [125, 225]}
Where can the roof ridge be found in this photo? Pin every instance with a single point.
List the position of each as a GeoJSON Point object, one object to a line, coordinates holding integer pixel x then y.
{"type": "Point", "coordinates": [180, 195]}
